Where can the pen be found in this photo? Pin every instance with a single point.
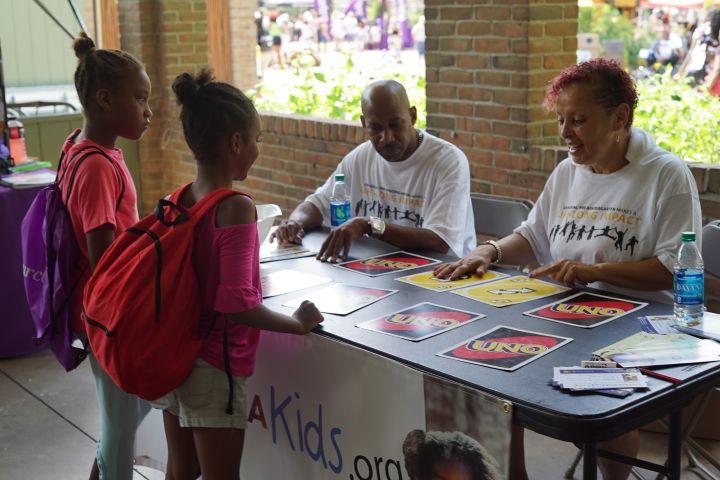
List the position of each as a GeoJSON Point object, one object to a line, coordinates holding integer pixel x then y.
{"type": "Point", "coordinates": [651, 373]}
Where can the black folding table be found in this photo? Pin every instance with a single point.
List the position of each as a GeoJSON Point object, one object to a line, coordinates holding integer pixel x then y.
{"type": "Point", "coordinates": [583, 419]}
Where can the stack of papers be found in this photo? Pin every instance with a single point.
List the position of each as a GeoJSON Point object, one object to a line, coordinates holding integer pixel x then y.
{"type": "Point", "coordinates": [646, 350]}
{"type": "Point", "coordinates": [577, 379]}
{"type": "Point", "coordinates": [710, 327]}
{"type": "Point", "coordinates": [28, 179]}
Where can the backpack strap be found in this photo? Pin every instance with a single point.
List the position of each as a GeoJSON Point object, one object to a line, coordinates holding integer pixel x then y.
{"type": "Point", "coordinates": [86, 152]}
{"type": "Point", "coordinates": [62, 158]}
{"type": "Point", "coordinates": [194, 213]}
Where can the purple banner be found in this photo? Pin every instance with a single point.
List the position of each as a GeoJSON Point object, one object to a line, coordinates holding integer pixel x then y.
{"type": "Point", "coordinates": [324, 9]}
{"type": "Point", "coordinates": [403, 23]}
{"type": "Point", "coordinates": [358, 7]}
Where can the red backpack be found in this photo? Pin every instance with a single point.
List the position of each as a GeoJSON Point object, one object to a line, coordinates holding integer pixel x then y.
{"type": "Point", "coordinates": [142, 302]}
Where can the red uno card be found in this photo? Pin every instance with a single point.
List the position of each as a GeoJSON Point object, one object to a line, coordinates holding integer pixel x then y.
{"type": "Point", "coordinates": [504, 348]}
{"type": "Point", "coordinates": [586, 310]}
{"type": "Point", "coordinates": [387, 263]}
{"type": "Point", "coordinates": [420, 321]}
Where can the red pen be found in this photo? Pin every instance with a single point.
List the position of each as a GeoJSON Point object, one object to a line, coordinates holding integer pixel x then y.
{"type": "Point", "coordinates": [652, 373]}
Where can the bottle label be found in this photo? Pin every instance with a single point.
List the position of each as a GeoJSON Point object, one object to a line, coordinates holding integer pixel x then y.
{"type": "Point", "coordinates": [689, 288]}
{"type": "Point", "coordinates": [339, 213]}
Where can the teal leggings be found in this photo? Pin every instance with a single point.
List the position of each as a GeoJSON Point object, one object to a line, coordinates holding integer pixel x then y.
{"type": "Point", "coordinates": [120, 415]}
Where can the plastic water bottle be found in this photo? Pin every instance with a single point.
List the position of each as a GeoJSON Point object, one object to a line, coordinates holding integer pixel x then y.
{"type": "Point", "coordinates": [689, 284]}
{"type": "Point", "coordinates": [339, 202]}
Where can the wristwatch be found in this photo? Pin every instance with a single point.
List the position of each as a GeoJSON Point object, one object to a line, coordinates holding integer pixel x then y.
{"type": "Point", "coordinates": [377, 226]}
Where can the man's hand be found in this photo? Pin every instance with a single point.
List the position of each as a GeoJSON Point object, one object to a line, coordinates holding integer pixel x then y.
{"type": "Point", "coordinates": [567, 272]}
{"type": "Point", "coordinates": [478, 261]}
{"type": "Point", "coordinates": [341, 238]}
{"type": "Point", "coordinates": [289, 231]}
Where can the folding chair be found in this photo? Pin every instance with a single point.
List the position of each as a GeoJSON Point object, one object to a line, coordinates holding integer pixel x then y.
{"type": "Point", "coordinates": [711, 259]}
{"type": "Point", "coordinates": [497, 216]}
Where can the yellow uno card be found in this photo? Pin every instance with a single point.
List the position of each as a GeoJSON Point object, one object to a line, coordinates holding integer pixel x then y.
{"type": "Point", "coordinates": [427, 280]}
{"type": "Point", "coordinates": [511, 291]}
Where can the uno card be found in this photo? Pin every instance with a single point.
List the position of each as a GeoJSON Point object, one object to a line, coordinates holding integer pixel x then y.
{"type": "Point", "coordinates": [420, 321]}
{"type": "Point", "coordinates": [510, 291]}
{"type": "Point", "coordinates": [505, 348]}
{"type": "Point", "coordinates": [269, 252]}
{"type": "Point", "coordinates": [387, 263]}
{"type": "Point", "coordinates": [586, 310]}
{"type": "Point", "coordinates": [286, 281]}
{"type": "Point", "coordinates": [341, 298]}
{"type": "Point", "coordinates": [427, 280]}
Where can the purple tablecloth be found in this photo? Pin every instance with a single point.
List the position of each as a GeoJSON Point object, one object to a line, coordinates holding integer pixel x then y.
{"type": "Point", "coordinates": [16, 327]}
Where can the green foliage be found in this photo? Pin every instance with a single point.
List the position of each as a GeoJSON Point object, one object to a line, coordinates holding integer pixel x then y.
{"type": "Point", "coordinates": [682, 118]}
{"type": "Point", "coordinates": [609, 24]}
{"type": "Point", "coordinates": [335, 91]}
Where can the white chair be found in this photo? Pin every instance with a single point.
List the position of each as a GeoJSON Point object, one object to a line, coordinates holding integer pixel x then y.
{"type": "Point", "coordinates": [498, 216]}
{"type": "Point", "coordinates": [710, 244]}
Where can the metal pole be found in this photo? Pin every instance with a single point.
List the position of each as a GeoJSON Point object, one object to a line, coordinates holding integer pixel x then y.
{"type": "Point", "coordinates": [59, 24]}
{"type": "Point", "coordinates": [590, 461]}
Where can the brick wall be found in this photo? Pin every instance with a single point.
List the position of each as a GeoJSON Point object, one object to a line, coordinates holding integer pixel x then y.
{"type": "Point", "coordinates": [170, 37]}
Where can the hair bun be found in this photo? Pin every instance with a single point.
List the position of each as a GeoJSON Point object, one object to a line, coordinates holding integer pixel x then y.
{"type": "Point", "coordinates": [187, 86]}
{"type": "Point", "coordinates": [83, 45]}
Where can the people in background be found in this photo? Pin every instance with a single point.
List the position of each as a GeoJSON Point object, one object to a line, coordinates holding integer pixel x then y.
{"type": "Point", "coordinates": [418, 35]}
{"type": "Point", "coordinates": [630, 198]}
{"type": "Point", "coordinates": [407, 187]}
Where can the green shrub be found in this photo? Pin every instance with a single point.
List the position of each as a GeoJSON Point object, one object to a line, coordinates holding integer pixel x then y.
{"type": "Point", "coordinates": [335, 91]}
{"type": "Point", "coordinates": [609, 24]}
{"type": "Point", "coordinates": [683, 119]}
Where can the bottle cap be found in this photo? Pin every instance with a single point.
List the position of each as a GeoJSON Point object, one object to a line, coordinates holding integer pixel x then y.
{"type": "Point", "coordinates": [687, 237]}
{"type": "Point", "coordinates": [340, 177]}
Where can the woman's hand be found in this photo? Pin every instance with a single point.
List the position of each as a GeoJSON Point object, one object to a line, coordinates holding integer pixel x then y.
{"type": "Point", "coordinates": [567, 272]}
{"type": "Point", "coordinates": [478, 261]}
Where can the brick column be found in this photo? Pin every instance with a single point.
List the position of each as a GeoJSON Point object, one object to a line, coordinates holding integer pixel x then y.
{"type": "Point", "coordinates": [243, 41]}
{"type": "Point", "coordinates": [487, 67]}
{"type": "Point", "coordinates": [170, 37]}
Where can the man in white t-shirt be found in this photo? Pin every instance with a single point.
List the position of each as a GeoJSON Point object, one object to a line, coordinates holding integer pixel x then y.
{"type": "Point", "coordinates": [406, 187]}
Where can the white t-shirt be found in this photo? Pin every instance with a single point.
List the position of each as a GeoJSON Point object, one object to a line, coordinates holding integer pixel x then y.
{"type": "Point", "coordinates": [430, 189]}
{"type": "Point", "coordinates": [633, 214]}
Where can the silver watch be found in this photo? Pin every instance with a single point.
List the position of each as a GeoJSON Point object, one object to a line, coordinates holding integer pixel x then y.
{"type": "Point", "coordinates": [377, 227]}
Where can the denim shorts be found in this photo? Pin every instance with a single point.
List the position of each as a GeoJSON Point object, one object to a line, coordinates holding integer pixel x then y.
{"type": "Point", "coordinates": [201, 401]}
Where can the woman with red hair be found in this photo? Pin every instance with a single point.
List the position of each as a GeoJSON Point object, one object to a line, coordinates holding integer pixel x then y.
{"type": "Point", "coordinates": [610, 215]}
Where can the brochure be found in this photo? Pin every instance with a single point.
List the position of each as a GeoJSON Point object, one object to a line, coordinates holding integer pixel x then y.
{"type": "Point", "coordinates": [579, 378]}
{"type": "Point", "coordinates": [710, 327]}
{"type": "Point", "coordinates": [647, 350]}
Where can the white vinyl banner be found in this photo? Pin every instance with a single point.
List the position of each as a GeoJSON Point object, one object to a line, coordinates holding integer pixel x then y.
{"type": "Point", "coordinates": [320, 409]}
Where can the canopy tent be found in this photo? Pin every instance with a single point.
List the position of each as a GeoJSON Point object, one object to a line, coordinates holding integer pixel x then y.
{"type": "Point", "coordinates": [673, 3]}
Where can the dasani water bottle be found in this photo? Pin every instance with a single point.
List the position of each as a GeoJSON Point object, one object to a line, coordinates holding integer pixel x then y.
{"type": "Point", "coordinates": [339, 202]}
{"type": "Point", "coordinates": [689, 283]}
